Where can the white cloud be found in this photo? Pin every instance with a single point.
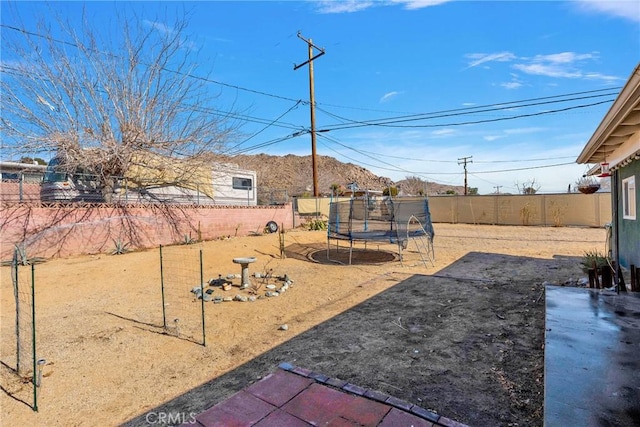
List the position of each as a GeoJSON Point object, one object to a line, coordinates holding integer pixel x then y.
{"type": "Point", "coordinates": [481, 58]}
{"type": "Point", "coordinates": [388, 96]}
{"type": "Point", "coordinates": [511, 85]}
{"type": "Point", "coordinates": [351, 6]}
{"type": "Point", "coordinates": [565, 57]}
{"type": "Point", "coordinates": [563, 65]}
{"type": "Point", "coordinates": [627, 9]}
{"type": "Point", "coordinates": [521, 131]}
{"type": "Point", "coordinates": [558, 65]}
{"type": "Point", "coordinates": [490, 138]}
{"type": "Point", "coordinates": [443, 132]}
{"type": "Point", "coordinates": [418, 4]}
{"type": "Point", "coordinates": [599, 76]}
{"type": "Point", "coordinates": [168, 32]}
{"type": "Point", "coordinates": [346, 6]}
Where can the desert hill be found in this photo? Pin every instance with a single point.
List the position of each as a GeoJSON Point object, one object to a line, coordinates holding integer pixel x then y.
{"type": "Point", "coordinates": [292, 175]}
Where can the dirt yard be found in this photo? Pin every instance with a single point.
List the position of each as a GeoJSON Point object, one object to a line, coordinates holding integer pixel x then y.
{"type": "Point", "coordinates": [463, 338]}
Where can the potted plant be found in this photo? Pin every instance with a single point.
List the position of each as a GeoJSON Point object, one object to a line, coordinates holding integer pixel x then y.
{"type": "Point", "coordinates": [587, 185]}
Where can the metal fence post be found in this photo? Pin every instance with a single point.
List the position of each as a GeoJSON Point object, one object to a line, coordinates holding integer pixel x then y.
{"type": "Point", "coordinates": [164, 312]}
{"type": "Point", "coordinates": [204, 338]}
{"type": "Point", "coordinates": [33, 338]}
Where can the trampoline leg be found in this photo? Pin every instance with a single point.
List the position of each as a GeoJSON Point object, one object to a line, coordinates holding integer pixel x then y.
{"type": "Point", "coordinates": [328, 247]}
{"type": "Point", "coordinates": [350, 251]}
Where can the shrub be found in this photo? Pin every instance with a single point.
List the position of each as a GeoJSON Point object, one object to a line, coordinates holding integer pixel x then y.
{"type": "Point", "coordinates": [591, 257]}
{"type": "Point", "coordinates": [317, 224]}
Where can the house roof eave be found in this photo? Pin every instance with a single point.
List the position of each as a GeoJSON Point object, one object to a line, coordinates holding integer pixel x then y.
{"type": "Point", "coordinates": [621, 121]}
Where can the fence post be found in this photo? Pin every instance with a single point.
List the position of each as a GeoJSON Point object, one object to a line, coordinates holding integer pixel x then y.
{"type": "Point", "coordinates": [164, 309]}
{"type": "Point", "coordinates": [21, 186]}
{"type": "Point", "coordinates": [33, 338]}
{"type": "Point", "coordinates": [16, 294]}
{"type": "Point", "coordinates": [204, 336]}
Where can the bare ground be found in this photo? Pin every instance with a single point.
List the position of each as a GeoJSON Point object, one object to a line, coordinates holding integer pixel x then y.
{"type": "Point", "coordinates": [463, 338]}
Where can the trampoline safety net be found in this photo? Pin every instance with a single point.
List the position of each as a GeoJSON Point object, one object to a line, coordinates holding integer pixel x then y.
{"type": "Point", "coordinates": [383, 219]}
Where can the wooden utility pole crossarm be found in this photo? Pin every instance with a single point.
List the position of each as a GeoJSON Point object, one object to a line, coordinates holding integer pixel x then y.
{"type": "Point", "coordinates": [312, 103]}
{"type": "Point", "coordinates": [464, 161]}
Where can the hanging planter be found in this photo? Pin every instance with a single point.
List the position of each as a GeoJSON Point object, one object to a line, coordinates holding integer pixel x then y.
{"type": "Point", "coordinates": [587, 185]}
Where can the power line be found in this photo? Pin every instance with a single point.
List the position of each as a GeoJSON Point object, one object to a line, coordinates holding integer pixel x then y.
{"type": "Point", "coordinates": [529, 168]}
{"type": "Point", "coordinates": [263, 129]}
{"type": "Point", "coordinates": [470, 110]}
{"type": "Point", "coordinates": [391, 122]}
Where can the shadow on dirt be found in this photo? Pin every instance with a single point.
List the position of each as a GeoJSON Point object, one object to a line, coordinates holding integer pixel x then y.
{"type": "Point", "coordinates": [465, 342]}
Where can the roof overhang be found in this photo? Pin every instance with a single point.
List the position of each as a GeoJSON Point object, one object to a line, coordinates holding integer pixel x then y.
{"type": "Point", "coordinates": [617, 138]}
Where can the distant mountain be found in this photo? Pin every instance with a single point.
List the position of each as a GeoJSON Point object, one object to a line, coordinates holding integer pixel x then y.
{"type": "Point", "coordinates": [293, 175]}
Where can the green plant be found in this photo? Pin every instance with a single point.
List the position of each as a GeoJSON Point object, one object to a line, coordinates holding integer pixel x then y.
{"type": "Point", "coordinates": [317, 224]}
{"type": "Point", "coordinates": [591, 258]}
{"type": "Point", "coordinates": [120, 247]}
{"type": "Point", "coordinates": [390, 191]}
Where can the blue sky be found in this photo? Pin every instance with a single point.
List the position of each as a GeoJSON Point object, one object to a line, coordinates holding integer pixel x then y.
{"type": "Point", "coordinates": [407, 88]}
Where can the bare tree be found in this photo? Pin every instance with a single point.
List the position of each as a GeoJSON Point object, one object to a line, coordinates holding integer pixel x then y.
{"type": "Point", "coordinates": [414, 186]}
{"type": "Point", "coordinates": [528, 187]}
{"type": "Point", "coordinates": [106, 102]}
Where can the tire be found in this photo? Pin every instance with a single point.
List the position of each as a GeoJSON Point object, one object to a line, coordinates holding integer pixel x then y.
{"type": "Point", "coordinates": [272, 227]}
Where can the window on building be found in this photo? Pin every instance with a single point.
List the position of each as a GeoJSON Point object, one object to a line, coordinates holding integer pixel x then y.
{"type": "Point", "coordinates": [629, 198]}
{"type": "Point", "coordinates": [242, 183]}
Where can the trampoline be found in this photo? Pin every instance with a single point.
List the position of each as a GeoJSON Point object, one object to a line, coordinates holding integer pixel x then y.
{"type": "Point", "coordinates": [372, 219]}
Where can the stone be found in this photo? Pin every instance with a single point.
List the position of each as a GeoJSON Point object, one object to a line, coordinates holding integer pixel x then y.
{"type": "Point", "coordinates": [284, 327]}
{"type": "Point", "coordinates": [196, 290]}
{"type": "Point", "coordinates": [206, 297]}
{"type": "Point", "coordinates": [226, 287]}
{"type": "Point", "coordinates": [217, 299]}
{"type": "Point", "coordinates": [271, 294]}
{"type": "Point", "coordinates": [228, 299]}
{"type": "Point", "coordinates": [252, 298]}
{"type": "Point", "coordinates": [271, 287]}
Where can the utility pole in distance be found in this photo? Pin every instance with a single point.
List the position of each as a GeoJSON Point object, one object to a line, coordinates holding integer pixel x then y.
{"type": "Point", "coordinates": [497, 187]}
{"type": "Point", "coordinates": [312, 104]}
{"type": "Point", "coordinates": [464, 161]}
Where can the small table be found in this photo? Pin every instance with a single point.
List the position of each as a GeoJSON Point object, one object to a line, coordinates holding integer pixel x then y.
{"type": "Point", "coordinates": [244, 263]}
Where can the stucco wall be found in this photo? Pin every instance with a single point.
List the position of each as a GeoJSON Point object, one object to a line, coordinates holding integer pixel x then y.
{"type": "Point", "coordinates": [72, 230]}
{"type": "Point", "coordinates": [571, 209]}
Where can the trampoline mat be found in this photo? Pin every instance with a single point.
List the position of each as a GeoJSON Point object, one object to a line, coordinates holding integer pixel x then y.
{"type": "Point", "coordinates": [358, 256]}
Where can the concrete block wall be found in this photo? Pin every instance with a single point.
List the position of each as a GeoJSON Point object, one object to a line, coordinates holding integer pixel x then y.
{"type": "Point", "coordinates": [62, 231]}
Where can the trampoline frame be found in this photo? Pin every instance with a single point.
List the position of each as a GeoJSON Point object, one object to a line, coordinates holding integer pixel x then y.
{"type": "Point", "coordinates": [393, 233]}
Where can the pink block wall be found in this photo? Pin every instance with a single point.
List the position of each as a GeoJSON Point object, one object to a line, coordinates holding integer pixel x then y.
{"type": "Point", "coordinates": [62, 231]}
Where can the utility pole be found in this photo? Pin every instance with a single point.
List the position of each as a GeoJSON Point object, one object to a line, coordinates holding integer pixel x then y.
{"type": "Point", "coordinates": [312, 104]}
{"type": "Point", "coordinates": [497, 187]}
{"type": "Point", "coordinates": [464, 161]}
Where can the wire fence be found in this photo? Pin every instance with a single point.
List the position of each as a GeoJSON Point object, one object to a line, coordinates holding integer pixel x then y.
{"type": "Point", "coordinates": [183, 294]}
{"type": "Point", "coordinates": [21, 370]}
{"type": "Point", "coordinates": [36, 191]}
